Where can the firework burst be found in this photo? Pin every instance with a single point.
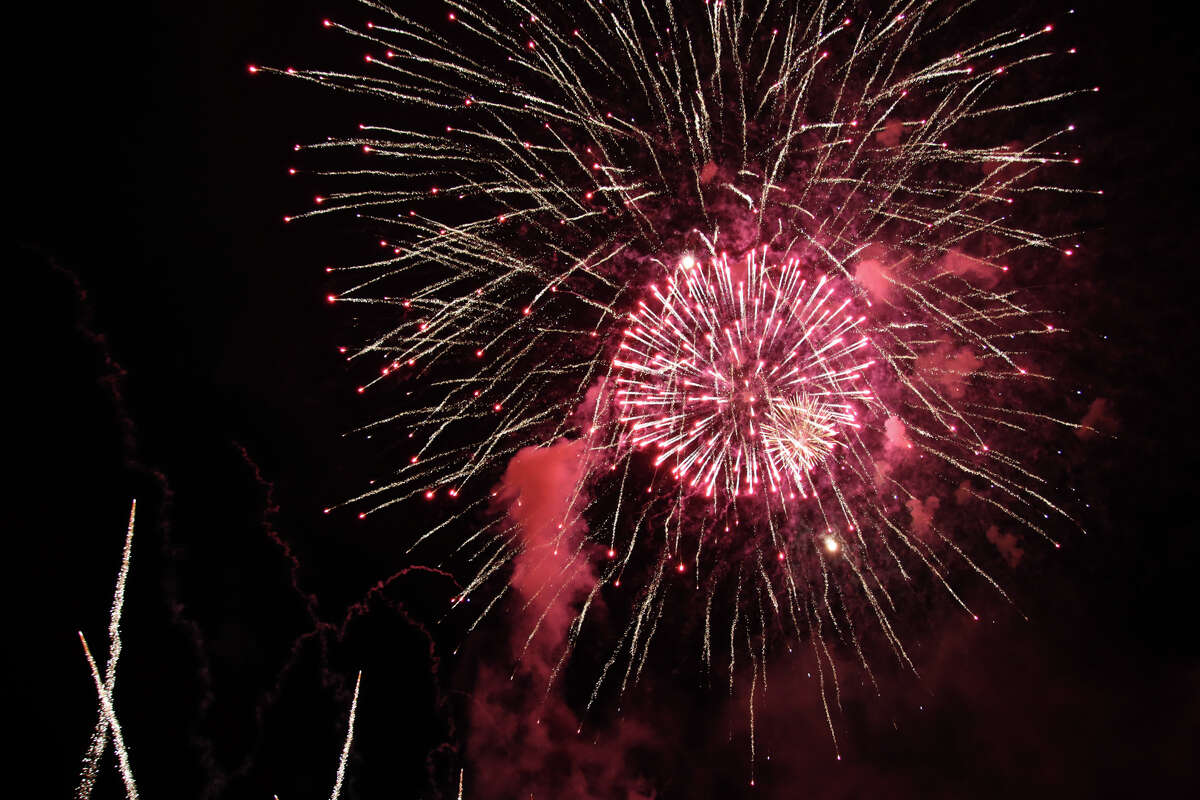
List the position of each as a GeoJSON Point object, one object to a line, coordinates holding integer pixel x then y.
{"type": "Point", "coordinates": [740, 381]}
{"type": "Point", "coordinates": [755, 258]}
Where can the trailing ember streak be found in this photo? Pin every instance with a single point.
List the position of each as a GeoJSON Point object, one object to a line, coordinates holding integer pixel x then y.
{"type": "Point", "coordinates": [770, 420]}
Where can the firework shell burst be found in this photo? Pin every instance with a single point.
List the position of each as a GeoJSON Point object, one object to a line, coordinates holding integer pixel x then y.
{"type": "Point", "coordinates": [739, 381]}
{"type": "Point", "coordinates": [750, 259]}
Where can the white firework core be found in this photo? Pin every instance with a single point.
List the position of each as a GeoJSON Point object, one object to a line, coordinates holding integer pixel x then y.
{"type": "Point", "coordinates": [741, 375]}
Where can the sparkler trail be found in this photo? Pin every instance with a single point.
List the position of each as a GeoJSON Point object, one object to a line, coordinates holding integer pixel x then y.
{"type": "Point", "coordinates": [761, 260]}
{"type": "Point", "coordinates": [341, 769]}
{"type": "Point", "coordinates": [99, 740]}
{"type": "Point", "coordinates": [109, 725]}
{"type": "Point", "coordinates": [111, 721]}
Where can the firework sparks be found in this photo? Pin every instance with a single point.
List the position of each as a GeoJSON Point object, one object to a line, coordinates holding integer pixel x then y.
{"type": "Point", "coordinates": [107, 723]}
{"type": "Point", "coordinates": [737, 382]}
{"type": "Point", "coordinates": [826, 346]}
{"type": "Point", "coordinates": [341, 768]}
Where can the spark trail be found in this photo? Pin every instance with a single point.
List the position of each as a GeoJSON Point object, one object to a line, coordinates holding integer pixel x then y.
{"type": "Point", "coordinates": [108, 723]}
{"type": "Point", "coordinates": [762, 259]}
{"type": "Point", "coordinates": [341, 768]}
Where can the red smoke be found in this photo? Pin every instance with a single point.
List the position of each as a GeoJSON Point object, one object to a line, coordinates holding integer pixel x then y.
{"type": "Point", "coordinates": [1099, 419]}
{"type": "Point", "coordinates": [524, 737]}
{"type": "Point", "coordinates": [1008, 545]}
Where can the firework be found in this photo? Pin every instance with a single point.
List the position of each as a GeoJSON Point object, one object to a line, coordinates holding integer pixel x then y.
{"type": "Point", "coordinates": [341, 768]}
{"type": "Point", "coordinates": [109, 725]}
{"type": "Point", "coordinates": [757, 258]}
{"type": "Point", "coordinates": [740, 382]}
{"type": "Point", "coordinates": [107, 722]}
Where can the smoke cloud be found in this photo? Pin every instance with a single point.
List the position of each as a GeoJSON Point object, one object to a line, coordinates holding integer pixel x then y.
{"type": "Point", "coordinates": [524, 736]}
{"type": "Point", "coordinates": [980, 272]}
{"type": "Point", "coordinates": [897, 435]}
{"type": "Point", "coordinates": [874, 276]}
{"type": "Point", "coordinates": [891, 134]}
{"type": "Point", "coordinates": [1100, 419]}
{"type": "Point", "coordinates": [1007, 544]}
{"type": "Point", "coordinates": [922, 513]}
{"type": "Point", "coordinates": [948, 367]}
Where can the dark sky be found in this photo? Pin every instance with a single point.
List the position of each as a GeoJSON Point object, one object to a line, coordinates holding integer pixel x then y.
{"type": "Point", "coordinates": [168, 341]}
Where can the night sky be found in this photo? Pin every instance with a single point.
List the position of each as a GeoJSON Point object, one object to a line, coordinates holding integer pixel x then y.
{"type": "Point", "coordinates": [170, 342]}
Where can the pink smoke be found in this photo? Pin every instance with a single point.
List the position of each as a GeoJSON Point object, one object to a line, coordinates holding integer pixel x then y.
{"type": "Point", "coordinates": [979, 271]}
{"type": "Point", "coordinates": [542, 486]}
{"type": "Point", "coordinates": [874, 276]}
{"type": "Point", "coordinates": [1007, 544]}
{"type": "Point", "coordinates": [948, 367]}
{"type": "Point", "coordinates": [891, 134]}
{"type": "Point", "coordinates": [524, 736]}
{"type": "Point", "coordinates": [1100, 419]}
{"type": "Point", "coordinates": [922, 513]}
{"type": "Point", "coordinates": [883, 473]}
{"type": "Point", "coordinates": [897, 435]}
